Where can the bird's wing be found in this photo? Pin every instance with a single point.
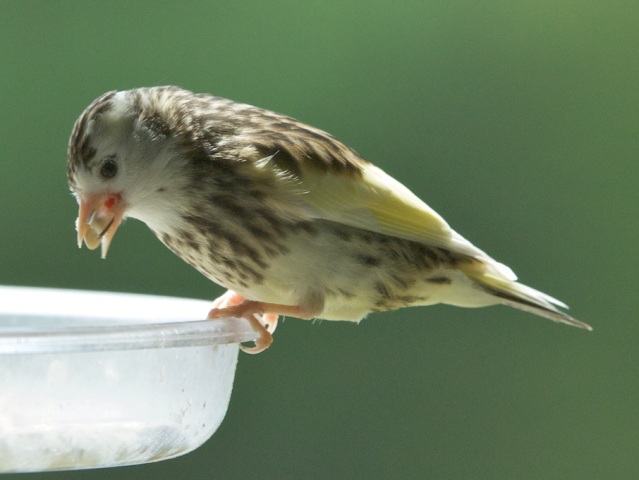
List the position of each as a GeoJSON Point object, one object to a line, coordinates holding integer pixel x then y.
{"type": "Point", "coordinates": [332, 182]}
{"type": "Point", "coordinates": [376, 202]}
{"type": "Point", "coordinates": [379, 203]}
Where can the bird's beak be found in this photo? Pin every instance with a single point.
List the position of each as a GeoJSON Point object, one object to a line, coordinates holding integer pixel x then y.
{"type": "Point", "coordinates": [99, 217]}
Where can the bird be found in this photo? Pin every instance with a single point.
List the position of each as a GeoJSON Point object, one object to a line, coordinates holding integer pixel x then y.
{"type": "Point", "coordinates": [289, 219]}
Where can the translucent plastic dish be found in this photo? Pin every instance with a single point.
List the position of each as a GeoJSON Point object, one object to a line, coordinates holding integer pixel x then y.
{"type": "Point", "coordinates": [92, 379]}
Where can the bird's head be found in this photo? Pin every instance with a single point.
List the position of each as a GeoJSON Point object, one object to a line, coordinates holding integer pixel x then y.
{"type": "Point", "coordinates": [121, 164]}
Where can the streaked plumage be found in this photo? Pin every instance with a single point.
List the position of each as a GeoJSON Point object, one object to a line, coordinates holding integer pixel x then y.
{"type": "Point", "coordinates": [282, 213]}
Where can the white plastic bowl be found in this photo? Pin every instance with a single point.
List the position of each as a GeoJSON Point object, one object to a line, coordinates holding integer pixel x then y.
{"type": "Point", "coordinates": [92, 379]}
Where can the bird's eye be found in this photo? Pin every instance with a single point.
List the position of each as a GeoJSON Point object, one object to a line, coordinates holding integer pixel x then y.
{"type": "Point", "coordinates": [109, 167]}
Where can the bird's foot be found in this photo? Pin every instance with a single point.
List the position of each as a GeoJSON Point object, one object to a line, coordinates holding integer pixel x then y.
{"type": "Point", "coordinates": [232, 304]}
{"type": "Point", "coordinates": [231, 299]}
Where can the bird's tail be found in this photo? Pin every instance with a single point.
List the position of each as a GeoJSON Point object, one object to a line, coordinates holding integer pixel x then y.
{"type": "Point", "coordinates": [514, 294]}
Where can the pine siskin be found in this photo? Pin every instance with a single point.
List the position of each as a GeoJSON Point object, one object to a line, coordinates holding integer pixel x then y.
{"type": "Point", "coordinates": [289, 219]}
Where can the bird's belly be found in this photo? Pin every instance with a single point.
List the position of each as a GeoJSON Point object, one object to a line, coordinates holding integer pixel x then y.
{"type": "Point", "coordinates": [341, 273]}
{"type": "Point", "coordinates": [331, 271]}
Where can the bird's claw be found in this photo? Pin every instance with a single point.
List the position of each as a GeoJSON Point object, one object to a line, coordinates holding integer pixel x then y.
{"type": "Point", "coordinates": [261, 343]}
{"type": "Point", "coordinates": [246, 310]}
{"type": "Point", "coordinates": [232, 304]}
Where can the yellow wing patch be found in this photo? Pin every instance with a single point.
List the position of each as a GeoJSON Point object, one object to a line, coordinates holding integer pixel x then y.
{"type": "Point", "coordinates": [379, 203]}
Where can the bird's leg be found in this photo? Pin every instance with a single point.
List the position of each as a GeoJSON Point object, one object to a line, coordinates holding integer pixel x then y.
{"type": "Point", "coordinates": [253, 312]}
{"type": "Point", "coordinates": [232, 304]}
{"type": "Point", "coordinates": [231, 298]}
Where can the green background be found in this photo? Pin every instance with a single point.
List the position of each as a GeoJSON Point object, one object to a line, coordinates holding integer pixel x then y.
{"type": "Point", "coordinates": [517, 121]}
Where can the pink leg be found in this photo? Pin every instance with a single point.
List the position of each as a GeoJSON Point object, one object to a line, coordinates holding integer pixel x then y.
{"type": "Point", "coordinates": [228, 305]}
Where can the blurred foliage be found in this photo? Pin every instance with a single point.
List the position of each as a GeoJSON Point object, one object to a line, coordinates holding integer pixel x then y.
{"type": "Point", "coordinates": [517, 121]}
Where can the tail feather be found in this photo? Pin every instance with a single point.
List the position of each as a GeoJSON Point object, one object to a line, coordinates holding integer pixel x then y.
{"type": "Point", "coordinates": [538, 306]}
{"type": "Point", "coordinates": [524, 298]}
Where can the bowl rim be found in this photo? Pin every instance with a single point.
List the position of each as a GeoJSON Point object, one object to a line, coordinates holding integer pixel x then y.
{"type": "Point", "coordinates": [156, 322]}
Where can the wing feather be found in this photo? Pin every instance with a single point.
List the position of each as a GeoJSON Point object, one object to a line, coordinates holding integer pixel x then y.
{"type": "Point", "coordinates": [378, 203]}
{"type": "Point", "coordinates": [330, 181]}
